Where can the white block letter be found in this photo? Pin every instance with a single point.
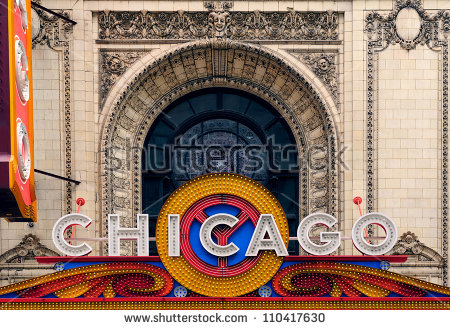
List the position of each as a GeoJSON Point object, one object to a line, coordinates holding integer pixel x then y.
{"type": "Point", "coordinates": [331, 240]}
{"type": "Point", "coordinates": [58, 234]}
{"type": "Point", "coordinates": [115, 234]}
{"type": "Point", "coordinates": [382, 220]}
{"type": "Point", "coordinates": [266, 225]}
{"type": "Point", "coordinates": [206, 231]}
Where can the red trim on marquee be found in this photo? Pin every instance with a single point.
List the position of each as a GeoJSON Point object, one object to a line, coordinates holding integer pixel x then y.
{"type": "Point", "coordinates": [397, 259]}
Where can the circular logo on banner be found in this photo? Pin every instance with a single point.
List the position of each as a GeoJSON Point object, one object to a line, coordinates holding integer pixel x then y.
{"type": "Point", "coordinates": [23, 12]}
{"type": "Point", "coordinates": [23, 151]}
{"type": "Point", "coordinates": [22, 81]}
{"type": "Point", "coordinates": [225, 196]}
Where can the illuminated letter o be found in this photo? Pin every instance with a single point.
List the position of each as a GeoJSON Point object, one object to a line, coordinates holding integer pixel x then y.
{"type": "Point", "coordinates": [382, 220]}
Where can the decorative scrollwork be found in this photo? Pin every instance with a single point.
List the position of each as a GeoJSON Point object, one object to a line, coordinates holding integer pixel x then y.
{"type": "Point", "coordinates": [383, 30]}
{"type": "Point", "coordinates": [324, 65]}
{"type": "Point", "coordinates": [218, 23]}
{"type": "Point", "coordinates": [112, 65]}
{"type": "Point", "coordinates": [315, 279]}
{"type": "Point", "coordinates": [409, 244]}
{"type": "Point", "coordinates": [124, 279]}
{"type": "Point", "coordinates": [28, 248]}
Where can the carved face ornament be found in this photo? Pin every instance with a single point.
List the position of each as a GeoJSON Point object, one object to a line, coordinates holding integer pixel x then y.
{"type": "Point", "coordinates": [323, 64]}
{"type": "Point", "coordinates": [219, 21]}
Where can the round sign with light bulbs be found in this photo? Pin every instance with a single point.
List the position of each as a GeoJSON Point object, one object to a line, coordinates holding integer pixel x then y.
{"type": "Point", "coordinates": [222, 235]}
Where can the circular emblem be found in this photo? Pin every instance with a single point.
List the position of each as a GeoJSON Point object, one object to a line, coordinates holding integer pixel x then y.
{"type": "Point", "coordinates": [22, 82]}
{"type": "Point", "coordinates": [233, 204]}
{"type": "Point", "coordinates": [23, 151]}
{"type": "Point", "coordinates": [59, 266]}
{"type": "Point", "coordinates": [180, 292]}
{"type": "Point", "coordinates": [23, 12]}
{"type": "Point", "coordinates": [265, 291]}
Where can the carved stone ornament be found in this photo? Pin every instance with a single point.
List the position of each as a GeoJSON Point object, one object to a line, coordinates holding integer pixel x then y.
{"type": "Point", "coordinates": [218, 23]}
{"type": "Point", "coordinates": [324, 65]}
{"type": "Point", "coordinates": [112, 65]}
{"type": "Point", "coordinates": [29, 248]}
{"type": "Point", "coordinates": [56, 33]}
{"type": "Point", "coordinates": [428, 29]}
{"type": "Point", "coordinates": [408, 244]}
{"type": "Point", "coordinates": [421, 28]}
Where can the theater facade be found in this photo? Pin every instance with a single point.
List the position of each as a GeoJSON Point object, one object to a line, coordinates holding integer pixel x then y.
{"type": "Point", "coordinates": [204, 123]}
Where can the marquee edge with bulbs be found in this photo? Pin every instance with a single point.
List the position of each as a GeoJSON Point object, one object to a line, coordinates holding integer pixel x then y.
{"type": "Point", "coordinates": [221, 270]}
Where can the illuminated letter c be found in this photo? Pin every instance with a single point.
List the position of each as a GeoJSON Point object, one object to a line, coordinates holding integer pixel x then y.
{"type": "Point", "coordinates": [58, 234]}
{"type": "Point", "coordinates": [206, 231]}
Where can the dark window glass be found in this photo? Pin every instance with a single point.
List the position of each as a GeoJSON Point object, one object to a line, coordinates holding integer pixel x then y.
{"type": "Point", "coordinates": [236, 103]}
{"type": "Point", "coordinates": [260, 114]}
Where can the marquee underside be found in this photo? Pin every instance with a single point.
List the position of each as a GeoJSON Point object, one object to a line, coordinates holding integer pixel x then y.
{"type": "Point", "coordinates": [302, 282]}
{"type": "Point", "coordinates": [227, 304]}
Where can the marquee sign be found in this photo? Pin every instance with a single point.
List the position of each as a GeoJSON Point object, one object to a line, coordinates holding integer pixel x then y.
{"type": "Point", "coordinates": [222, 243]}
{"type": "Point", "coordinates": [16, 113]}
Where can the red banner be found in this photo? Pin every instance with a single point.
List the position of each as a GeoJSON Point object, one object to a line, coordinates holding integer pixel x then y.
{"type": "Point", "coordinates": [17, 196]}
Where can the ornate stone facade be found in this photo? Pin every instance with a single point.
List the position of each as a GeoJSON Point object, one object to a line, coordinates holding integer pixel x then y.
{"type": "Point", "coordinates": [409, 244]}
{"type": "Point", "coordinates": [323, 65]}
{"type": "Point", "coordinates": [431, 30]}
{"type": "Point", "coordinates": [27, 249]}
{"type": "Point", "coordinates": [422, 262]}
{"type": "Point", "coordinates": [56, 34]}
{"type": "Point", "coordinates": [18, 263]}
{"type": "Point", "coordinates": [113, 64]}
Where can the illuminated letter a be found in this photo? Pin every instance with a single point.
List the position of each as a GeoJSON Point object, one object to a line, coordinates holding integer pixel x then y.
{"type": "Point", "coordinates": [266, 225]}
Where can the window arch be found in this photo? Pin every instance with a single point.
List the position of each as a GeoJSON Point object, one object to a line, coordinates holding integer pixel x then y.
{"type": "Point", "coordinates": [220, 130]}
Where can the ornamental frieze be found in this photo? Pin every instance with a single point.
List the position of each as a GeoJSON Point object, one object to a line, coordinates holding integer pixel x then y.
{"type": "Point", "coordinates": [218, 23]}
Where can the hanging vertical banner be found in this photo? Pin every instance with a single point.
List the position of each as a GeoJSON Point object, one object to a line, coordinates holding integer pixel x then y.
{"type": "Point", "coordinates": [17, 196]}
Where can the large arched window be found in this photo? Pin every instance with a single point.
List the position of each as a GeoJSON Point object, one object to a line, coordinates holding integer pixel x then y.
{"type": "Point", "coordinates": [220, 130]}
